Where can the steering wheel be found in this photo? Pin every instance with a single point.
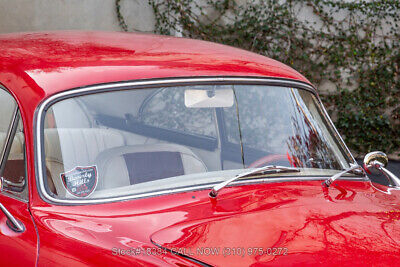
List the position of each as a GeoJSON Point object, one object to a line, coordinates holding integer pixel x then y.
{"type": "Point", "coordinates": [271, 158]}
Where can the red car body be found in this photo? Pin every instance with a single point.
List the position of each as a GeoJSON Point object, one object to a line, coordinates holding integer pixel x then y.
{"type": "Point", "coordinates": [350, 223]}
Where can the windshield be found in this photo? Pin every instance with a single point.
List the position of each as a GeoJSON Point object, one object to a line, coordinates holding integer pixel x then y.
{"type": "Point", "coordinates": [139, 141]}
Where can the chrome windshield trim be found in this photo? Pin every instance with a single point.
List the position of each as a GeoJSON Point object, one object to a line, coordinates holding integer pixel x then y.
{"type": "Point", "coordinates": [336, 132]}
{"type": "Point", "coordinates": [127, 85]}
{"type": "Point", "coordinates": [197, 188]}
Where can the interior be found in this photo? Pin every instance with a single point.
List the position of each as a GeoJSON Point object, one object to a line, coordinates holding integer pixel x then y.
{"type": "Point", "coordinates": [137, 141]}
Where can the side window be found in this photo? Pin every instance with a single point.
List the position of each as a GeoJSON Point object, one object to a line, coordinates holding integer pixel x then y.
{"type": "Point", "coordinates": [7, 108]}
{"type": "Point", "coordinates": [14, 171]}
{"type": "Point", "coordinates": [12, 143]}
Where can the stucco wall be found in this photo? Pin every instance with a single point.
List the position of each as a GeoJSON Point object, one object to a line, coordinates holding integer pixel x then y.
{"type": "Point", "coordinates": [41, 15]}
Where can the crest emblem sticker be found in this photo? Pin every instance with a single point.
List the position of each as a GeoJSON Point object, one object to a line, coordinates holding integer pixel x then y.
{"type": "Point", "coordinates": [80, 181]}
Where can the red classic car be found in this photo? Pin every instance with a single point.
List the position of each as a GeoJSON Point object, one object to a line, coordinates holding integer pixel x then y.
{"type": "Point", "coordinates": [135, 149]}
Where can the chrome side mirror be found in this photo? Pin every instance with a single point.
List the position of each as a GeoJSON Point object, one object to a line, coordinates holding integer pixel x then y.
{"type": "Point", "coordinates": [376, 162]}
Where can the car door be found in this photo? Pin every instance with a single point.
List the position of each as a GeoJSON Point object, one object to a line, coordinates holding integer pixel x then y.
{"type": "Point", "coordinates": [18, 237]}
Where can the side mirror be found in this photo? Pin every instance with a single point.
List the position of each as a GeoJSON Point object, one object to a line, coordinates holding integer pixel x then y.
{"type": "Point", "coordinates": [375, 162]}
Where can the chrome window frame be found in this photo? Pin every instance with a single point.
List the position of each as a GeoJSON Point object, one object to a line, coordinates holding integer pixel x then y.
{"type": "Point", "coordinates": [152, 83]}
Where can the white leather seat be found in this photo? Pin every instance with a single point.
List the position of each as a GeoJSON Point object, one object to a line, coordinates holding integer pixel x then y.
{"type": "Point", "coordinates": [104, 148]}
{"type": "Point", "coordinates": [79, 147]}
{"type": "Point", "coordinates": [114, 171]}
{"type": "Point", "coordinates": [17, 148]}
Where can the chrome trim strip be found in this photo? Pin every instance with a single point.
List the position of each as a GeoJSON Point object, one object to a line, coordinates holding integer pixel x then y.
{"type": "Point", "coordinates": [158, 82]}
{"type": "Point", "coordinates": [196, 188]}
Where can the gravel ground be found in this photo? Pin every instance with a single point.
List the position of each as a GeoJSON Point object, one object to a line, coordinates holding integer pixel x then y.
{"type": "Point", "coordinates": [393, 166]}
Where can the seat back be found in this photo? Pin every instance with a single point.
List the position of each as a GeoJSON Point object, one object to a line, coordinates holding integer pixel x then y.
{"type": "Point", "coordinates": [117, 164]}
{"type": "Point", "coordinates": [15, 170]}
{"type": "Point", "coordinates": [17, 148]}
{"type": "Point", "coordinates": [79, 147]}
{"type": "Point", "coordinates": [127, 165]}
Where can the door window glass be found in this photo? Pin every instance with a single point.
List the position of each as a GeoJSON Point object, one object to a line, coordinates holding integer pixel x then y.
{"type": "Point", "coordinates": [14, 174]}
{"type": "Point", "coordinates": [7, 108]}
{"type": "Point", "coordinates": [14, 171]}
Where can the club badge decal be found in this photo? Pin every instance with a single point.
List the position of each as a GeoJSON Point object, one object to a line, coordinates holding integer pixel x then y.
{"type": "Point", "coordinates": [80, 181]}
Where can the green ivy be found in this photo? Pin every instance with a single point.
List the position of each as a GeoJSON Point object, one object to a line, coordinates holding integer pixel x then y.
{"type": "Point", "coordinates": [351, 45]}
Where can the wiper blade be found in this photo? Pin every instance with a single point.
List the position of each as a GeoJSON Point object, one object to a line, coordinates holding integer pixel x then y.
{"type": "Point", "coordinates": [270, 169]}
{"type": "Point", "coordinates": [351, 169]}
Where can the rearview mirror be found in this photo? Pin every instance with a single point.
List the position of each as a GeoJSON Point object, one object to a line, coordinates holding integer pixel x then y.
{"type": "Point", "coordinates": [209, 98]}
{"type": "Point", "coordinates": [376, 162]}
{"type": "Point", "coordinates": [374, 159]}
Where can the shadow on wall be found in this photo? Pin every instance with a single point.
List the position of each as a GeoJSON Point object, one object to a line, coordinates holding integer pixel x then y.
{"type": "Point", "coordinates": [393, 166]}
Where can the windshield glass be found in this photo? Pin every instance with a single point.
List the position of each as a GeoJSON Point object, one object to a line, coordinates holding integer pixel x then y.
{"type": "Point", "coordinates": [141, 141]}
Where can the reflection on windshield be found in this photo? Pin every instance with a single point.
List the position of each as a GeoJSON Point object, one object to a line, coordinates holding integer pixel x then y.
{"type": "Point", "coordinates": [136, 139]}
{"type": "Point", "coordinates": [282, 125]}
{"type": "Point", "coordinates": [312, 145]}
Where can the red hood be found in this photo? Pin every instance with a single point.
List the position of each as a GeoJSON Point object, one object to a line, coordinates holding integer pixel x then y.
{"type": "Point", "coordinates": [339, 226]}
{"type": "Point", "coordinates": [353, 223]}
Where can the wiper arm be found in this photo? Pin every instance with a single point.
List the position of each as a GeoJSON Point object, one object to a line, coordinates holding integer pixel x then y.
{"type": "Point", "coordinates": [263, 170]}
{"type": "Point", "coordinates": [351, 169]}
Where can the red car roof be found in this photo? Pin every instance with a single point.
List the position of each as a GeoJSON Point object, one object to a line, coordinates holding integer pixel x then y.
{"type": "Point", "coordinates": [56, 61]}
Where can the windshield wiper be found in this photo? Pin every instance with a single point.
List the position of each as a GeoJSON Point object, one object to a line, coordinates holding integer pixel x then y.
{"type": "Point", "coordinates": [351, 169]}
{"type": "Point", "coordinates": [270, 169]}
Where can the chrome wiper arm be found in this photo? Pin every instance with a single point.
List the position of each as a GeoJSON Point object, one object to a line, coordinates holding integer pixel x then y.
{"type": "Point", "coordinates": [331, 179]}
{"type": "Point", "coordinates": [263, 170]}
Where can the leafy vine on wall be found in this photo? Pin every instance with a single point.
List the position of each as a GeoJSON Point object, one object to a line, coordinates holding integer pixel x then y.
{"type": "Point", "coordinates": [351, 50]}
